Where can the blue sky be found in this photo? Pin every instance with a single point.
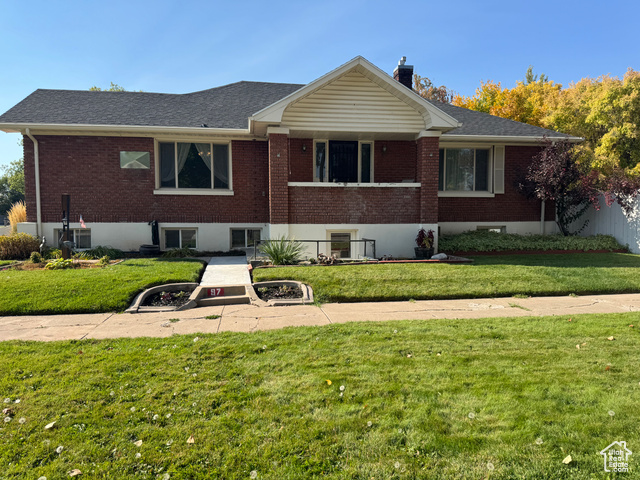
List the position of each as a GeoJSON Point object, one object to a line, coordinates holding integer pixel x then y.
{"type": "Point", "coordinates": [179, 47]}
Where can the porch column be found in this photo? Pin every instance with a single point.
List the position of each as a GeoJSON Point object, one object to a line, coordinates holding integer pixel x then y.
{"type": "Point", "coordinates": [427, 173]}
{"type": "Point", "coordinates": [278, 175]}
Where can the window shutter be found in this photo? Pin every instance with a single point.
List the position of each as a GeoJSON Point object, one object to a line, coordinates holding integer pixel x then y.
{"type": "Point", "coordinates": [498, 169]}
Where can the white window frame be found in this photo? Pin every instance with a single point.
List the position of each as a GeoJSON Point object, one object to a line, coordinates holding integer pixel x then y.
{"type": "Point", "coordinates": [160, 190]}
{"type": "Point", "coordinates": [326, 163]}
{"type": "Point", "coordinates": [468, 193]}
{"type": "Point", "coordinates": [58, 231]}
{"type": "Point", "coordinates": [246, 230]}
{"type": "Point", "coordinates": [163, 230]}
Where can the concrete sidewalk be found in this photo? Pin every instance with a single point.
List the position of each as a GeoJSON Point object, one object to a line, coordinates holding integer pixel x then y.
{"type": "Point", "coordinates": [250, 318]}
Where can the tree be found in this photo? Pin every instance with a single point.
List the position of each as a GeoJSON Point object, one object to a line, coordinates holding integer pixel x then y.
{"type": "Point", "coordinates": [11, 185]}
{"type": "Point", "coordinates": [556, 175]}
{"type": "Point", "coordinates": [113, 88]}
{"type": "Point", "coordinates": [425, 88]}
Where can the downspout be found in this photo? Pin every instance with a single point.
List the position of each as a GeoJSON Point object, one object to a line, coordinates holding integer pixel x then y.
{"type": "Point", "coordinates": [36, 161]}
{"type": "Point", "coordinates": [542, 218]}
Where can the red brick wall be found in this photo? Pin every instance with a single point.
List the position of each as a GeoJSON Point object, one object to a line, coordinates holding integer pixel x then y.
{"type": "Point", "coordinates": [398, 163]}
{"type": "Point", "coordinates": [88, 168]}
{"type": "Point", "coordinates": [511, 206]}
{"type": "Point", "coordinates": [353, 205]}
{"type": "Point", "coordinates": [278, 177]}
{"type": "Point", "coordinates": [427, 175]}
{"type": "Point", "coordinates": [301, 164]}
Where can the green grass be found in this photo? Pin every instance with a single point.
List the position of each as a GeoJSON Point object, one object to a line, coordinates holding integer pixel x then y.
{"type": "Point", "coordinates": [6, 262]}
{"type": "Point", "coordinates": [262, 402]}
{"type": "Point", "coordinates": [24, 292]}
{"type": "Point", "coordinates": [488, 276]}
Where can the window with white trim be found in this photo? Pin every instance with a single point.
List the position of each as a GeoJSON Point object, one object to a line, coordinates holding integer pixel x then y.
{"type": "Point", "coordinates": [343, 161]}
{"type": "Point", "coordinates": [464, 169]}
{"type": "Point", "coordinates": [80, 236]}
{"type": "Point", "coordinates": [192, 165]}
{"type": "Point", "coordinates": [179, 238]}
{"type": "Point", "coordinates": [244, 237]}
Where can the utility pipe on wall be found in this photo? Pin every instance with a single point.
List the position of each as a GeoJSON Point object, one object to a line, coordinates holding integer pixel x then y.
{"type": "Point", "coordinates": [36, 161]}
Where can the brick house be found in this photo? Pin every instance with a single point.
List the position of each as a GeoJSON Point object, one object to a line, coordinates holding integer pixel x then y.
{"type": "Point", "coordinates": [355, 154]}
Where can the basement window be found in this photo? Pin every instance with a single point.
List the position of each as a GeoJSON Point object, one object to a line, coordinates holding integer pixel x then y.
{"type": "Point", "coordinates": [244, 237]}
{"type": "Point", "coordinates": [195, 166]}
{"type": "Point", "coordinates": [343, 161]}
{"type": "Point", "coordinates": [341, 245]}
{"type": "Point", "coordinates": [179, 238]}
{"type": "Point", "coordinates": [80, 236]}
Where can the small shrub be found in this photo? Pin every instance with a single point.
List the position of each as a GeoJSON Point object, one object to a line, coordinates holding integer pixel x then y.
{"type": "Point", "coordinates": [52, 253]}
{"type": "Point", "coordinates": [82, 256]}
{"type": "Point", "coordinates": [104, 261]}
{"type": "Point", "coordinates": [59, 264]}
{"type": "Point", "coordinates": [18, 246]}
{"type": "Point", "coordinates": [180, 253]}
{"type": "Point", "coordinates": [102, 251]}
{"type": "Point", "coordinates": [17, 214]}
{"type": "Point", "coordinates": [36, 257]}
{"type": "Point", "coordinates": [282, 251]}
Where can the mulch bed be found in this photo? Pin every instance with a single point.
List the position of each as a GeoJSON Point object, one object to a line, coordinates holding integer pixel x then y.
{"type": "Point", "coordinates": [167, 299]}
{"type": "Point", "coordinates": [283, 292]}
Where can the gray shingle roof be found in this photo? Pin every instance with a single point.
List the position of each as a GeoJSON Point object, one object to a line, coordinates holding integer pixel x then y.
{"type": "Point", "coordinates": [229, 106]}
{"type": "Point", "coordinates": [478, 123]}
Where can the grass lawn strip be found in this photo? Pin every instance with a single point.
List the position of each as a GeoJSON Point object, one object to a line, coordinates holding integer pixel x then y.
{"type": "Point", "coordinates": [499, 276]}
{"type": "Point", "coordinates": [488, 398]}
{"type": "Point", "coordinates": [90, 290]}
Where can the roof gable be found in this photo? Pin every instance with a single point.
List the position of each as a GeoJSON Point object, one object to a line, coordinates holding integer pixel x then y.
{"type": "Point", "coordinates": [432, 117]}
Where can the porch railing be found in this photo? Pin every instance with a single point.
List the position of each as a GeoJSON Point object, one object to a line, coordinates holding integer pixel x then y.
{"type": "Point", "coordinates": [364, 241]}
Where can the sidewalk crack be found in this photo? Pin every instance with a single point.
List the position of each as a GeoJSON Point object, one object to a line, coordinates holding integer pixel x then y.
{"type": "Point", "coordinates": [93, 329]}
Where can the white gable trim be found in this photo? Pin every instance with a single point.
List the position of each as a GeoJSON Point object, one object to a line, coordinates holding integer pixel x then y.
{"type": "Point", "coordinates": [434, 117]}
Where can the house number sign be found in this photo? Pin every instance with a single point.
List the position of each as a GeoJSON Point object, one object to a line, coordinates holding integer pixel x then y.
{"type": "Point", "coordinates": [215, 292]}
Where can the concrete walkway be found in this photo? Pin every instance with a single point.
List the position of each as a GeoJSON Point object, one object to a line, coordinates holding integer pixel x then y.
{"type": "Point", "coordinates": [250, 318]}
{"type": "Point", "coordinates": [223, 271]}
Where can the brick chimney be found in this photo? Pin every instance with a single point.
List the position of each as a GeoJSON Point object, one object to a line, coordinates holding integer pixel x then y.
{"type": "Point", "coordinates": [404, 73]}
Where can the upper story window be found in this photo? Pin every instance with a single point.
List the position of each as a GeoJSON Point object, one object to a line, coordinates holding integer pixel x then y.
{"type": "Point", "coordinates": [343, 161]}
{"type": "Point", "coordinates": [194, 165]}
{"type": "Point", "coordinates": [464, 169]}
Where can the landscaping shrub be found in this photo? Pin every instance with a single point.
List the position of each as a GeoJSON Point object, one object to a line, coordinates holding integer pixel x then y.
{"type": "Point", "coordinates": [104, 261]}
{"type": "Point", "coordinates": [18, 246]}
{"type": "Point", "coordinates": [282, 251]}
{"type": "Point", "coordinates": [484, 241]}
{"type": "Point", "coordinates": [36, 257]}
{"type": "Point", "coordinates": [183, 252]}
{"type": "Point", "coordinates": [52, 253]}
{"type": "Point", "coordinates": [59, 264]}
{"type": "Point", "coordinates": [102, 251]}
{"type": "Point", "coordinates": [17, 214]}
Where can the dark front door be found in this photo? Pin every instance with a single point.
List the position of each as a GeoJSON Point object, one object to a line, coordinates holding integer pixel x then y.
{"type": "Point", "coordinates": [343, 161]}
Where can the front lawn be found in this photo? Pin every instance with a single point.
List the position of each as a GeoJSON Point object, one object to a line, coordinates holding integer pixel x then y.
{"type": "Point", "coordinates": [88, 290]}
{"type": "Point", "coordinates": [439, 399]}
{"type": "Point", "coordinates": [488, 276]}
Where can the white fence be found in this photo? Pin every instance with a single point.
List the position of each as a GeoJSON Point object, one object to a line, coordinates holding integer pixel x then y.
{"type": "Point", "coordinates": [613, 221]}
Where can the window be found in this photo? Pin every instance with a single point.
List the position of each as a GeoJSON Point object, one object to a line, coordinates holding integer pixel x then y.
{"type": "Point", "coordinates": [341, 245]}
{"type": "Point", "coordinates": [244, 237]}
{"type": "Point", "coordinates": [464, 169]}
{"type": "Point", "coordinates": [135, 160]}
{"type": "Point", "coordinates": [343, 161]}
{"type": "Point", "coordinates": [497, 229]}
{"type": "Point", "coordinates": [179, 238]}
{"type": "Point", "coordinates": [80, 236]}
{"type": "Point", "coordinates": [198, 165]}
